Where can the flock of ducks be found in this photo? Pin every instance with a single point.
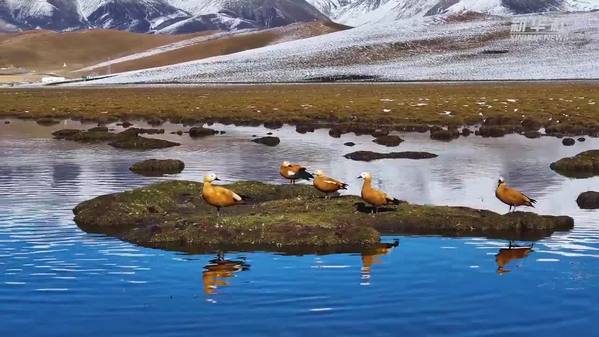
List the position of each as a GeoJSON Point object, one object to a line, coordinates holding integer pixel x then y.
{"type": "Point", "coordinates": [220, 197]}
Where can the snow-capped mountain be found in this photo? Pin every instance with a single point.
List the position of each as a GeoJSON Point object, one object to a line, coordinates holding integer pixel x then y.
{"type": "Point", "coordinates": [50, 14]}
{"type": "Point", "coordinates": [240, 14]}
{"type": "Point", "coordinates": [184, 16]}
{"type": "Point", "coordinates": [359, 12]}
{"type": "Point", "coordinates": [170, 16]}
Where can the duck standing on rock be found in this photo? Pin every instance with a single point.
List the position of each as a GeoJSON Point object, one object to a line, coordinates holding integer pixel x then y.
{"type": "Point", "coordinates": [218, 196]}
{"type": "Point", "coordinates": [511, 196]}
{"type": "Point", "coordinates": [326, 184]}
{"type": "Point", "coordinates": [374, 196]}
{"type": "Point", "coordinates": [293, 172]}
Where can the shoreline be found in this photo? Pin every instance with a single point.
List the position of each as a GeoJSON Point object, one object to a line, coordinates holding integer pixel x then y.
{"type": "Point", "coordinates": [557, 108]}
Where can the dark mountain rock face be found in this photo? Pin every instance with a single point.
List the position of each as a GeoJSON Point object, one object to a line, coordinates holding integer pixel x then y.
{"type": "Point", "coordinates": [152, 15]}
{"type": "Point", "coordinates": [532, 6]}
{"type": "Point", "coordinates": [134, 16]}
{"type": "Point", "coordinates": [60, 15]}
{"type": "Point", "coordinates": [273, 13]}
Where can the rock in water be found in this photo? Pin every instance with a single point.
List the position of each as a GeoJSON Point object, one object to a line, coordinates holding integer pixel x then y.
{"type": "Point", "coordinates": [583, 165]}
{"type": "Point", "coordinates": [268, 141]}
{"type": "Point", "coordinates": [389, 141]}
{"type": "Point", "coordinates": [370, 156]}
{"type": "Point", "coordinates": [157, 167]}
{"type": "Point", "coordinates": [438, 133]}
{"type": "Point", "coordinates": [172, 215]}
{"type": "Point", "coordinates": [200, 131]}
{"type": "Point", "coordinates": [568, 141]}
{"type": "Point", "coordinates": [141, 143]}
{"type": "Point", "coordinates": [588, 200]}
{"type": "Point", "coordinates": [47, 121]}
{"type": "Point", "coordinates": [127, 139]}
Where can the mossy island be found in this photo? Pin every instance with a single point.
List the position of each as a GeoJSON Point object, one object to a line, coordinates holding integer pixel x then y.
{"type": "Point", "coordinates": [287, 218]}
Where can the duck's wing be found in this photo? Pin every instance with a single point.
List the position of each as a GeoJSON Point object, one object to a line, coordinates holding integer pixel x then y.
{"type": "Point", "coordinates": [520, 197]}
{"type": "Point", "coordinates": [228, 194]}
{"type": "Point", "coordinates": [334, 182]}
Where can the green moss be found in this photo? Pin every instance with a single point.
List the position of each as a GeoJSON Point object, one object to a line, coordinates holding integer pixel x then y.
{"type": "Point", "coordinates": [285, 217]}
{"type": "Point", "coordinates": [583, 165]}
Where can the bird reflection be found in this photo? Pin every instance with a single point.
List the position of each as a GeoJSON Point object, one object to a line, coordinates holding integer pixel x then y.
{"type": "Point", "coordinates": [372, 256]}
{"type": "Point", "coordinates": [218, 270]}
{"type": "Point", "coordinates": [510, 253]}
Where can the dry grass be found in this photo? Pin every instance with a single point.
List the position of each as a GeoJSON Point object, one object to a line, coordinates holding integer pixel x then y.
{"type": "Point", "coordinates": [563, 103]}
{"type": "Point", "coordinates": [226, 45]}
{"type": "Point", "coordinates": [48, 51]}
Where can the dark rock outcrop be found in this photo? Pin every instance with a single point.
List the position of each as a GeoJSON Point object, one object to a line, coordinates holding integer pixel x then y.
{"type": "Point", "coordinates": [438, 133]}
{"type": "Point", "coordinates": [268, 141]}
{"type": "Point", "coordinates": [273, 125]}
{"type": "Point", "coordinates": [583, 165]}
{"type": "Point", "coordinates": [370, 156]}
{"type": "Point", "coordinates": [172, 215]}
{"type": "Point", "coordinates": [47, 121]}
{"type": "Point", "coordinates": [157, 167]}
{"type": "Point", "coordinates": [200, 131]}
{"type": "Point", "coordinates": [389, 141]}
{"type": "Point", "coordinates": [141, 143]}
{"type": "Point", "coordinates": [127, 139]}
{"type": "Point", "coordinates": [588, 200]}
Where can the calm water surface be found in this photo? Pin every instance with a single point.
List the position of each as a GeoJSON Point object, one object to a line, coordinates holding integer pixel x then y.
{"type": "Point", "coordinates": [56, 280]}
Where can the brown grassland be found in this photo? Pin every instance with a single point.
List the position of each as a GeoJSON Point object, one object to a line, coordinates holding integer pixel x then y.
{"type": "Point", "coordinates": [225, 45]}
{"type": "Point", "coordinates": [567, 105]}
{"type": "Point", "coordinates": [49, 51]}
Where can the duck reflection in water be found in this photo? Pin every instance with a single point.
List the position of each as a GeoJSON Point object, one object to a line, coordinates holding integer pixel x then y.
{"type": "Point", "coordinates": [372, 256]}
{"type": "Point", "coordinates": [218, 270]}
{"type": "Point", "coordinates": [510, 253]}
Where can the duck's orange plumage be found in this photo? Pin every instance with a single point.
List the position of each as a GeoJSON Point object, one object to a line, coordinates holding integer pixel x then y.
{"type": "Point", "coordinates": [293, 172]}
{"type": "Point", "coordinates": [511, 196]}
{"type": "Point", "coordinates": [218, 196]}
{"type": "Point", "coordinates": [374, 196]}
{"type": "Point", "coordinates": [327, 184]}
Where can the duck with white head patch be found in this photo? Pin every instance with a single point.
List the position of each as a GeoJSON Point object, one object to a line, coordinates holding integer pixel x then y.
{"type": "Point", "coordinates": [374, 196]}
{"type": "Point", "coordinates": [219, 196]}
{"type": "Point", "coordinates": [511, 196]}
{"type": "Point", "coordinates": [326, 184]}
{"type": "Point", "coordinates": [294, 172]}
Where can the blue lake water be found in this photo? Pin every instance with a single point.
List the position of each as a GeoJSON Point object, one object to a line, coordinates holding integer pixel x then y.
{"type": "Point", "coordinates": [56, 280]}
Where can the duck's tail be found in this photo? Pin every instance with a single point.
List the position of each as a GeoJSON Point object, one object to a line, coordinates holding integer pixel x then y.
{"type": "Point", "coordinates": [531, 202]}
{"type": "Point", "coordinates": [303, 174]}
{"type": "Point", "coordinates": [344, 186]}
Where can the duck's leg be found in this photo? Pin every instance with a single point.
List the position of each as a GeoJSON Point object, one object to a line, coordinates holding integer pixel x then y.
{"type": "Point", "coordinates": [218, 211]}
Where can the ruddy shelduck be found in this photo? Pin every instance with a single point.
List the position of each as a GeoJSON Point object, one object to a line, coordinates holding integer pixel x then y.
{"type": "Point", "coordinates": [293, 172]}
{"type": "Point", "coordinates": [374, 196]}
{"type": "Point", "coordinates": [218, 196]}
{"type": "Point", "coordinates": [326, 184]}
{"type": "Point", "coordinates": [511, 196]}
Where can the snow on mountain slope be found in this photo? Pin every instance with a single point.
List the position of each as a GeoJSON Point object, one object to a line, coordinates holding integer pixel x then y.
{"type": "Point", "coordinates": [359, 12]}
{"type": "Point", "coordinates": [135, 15]}
{"type": "Point", "coordinates": [155, 15]}
{"type": "Point", "coordinates": [51, 14]}
{"type": "Point", "coordinates": [414, 49]}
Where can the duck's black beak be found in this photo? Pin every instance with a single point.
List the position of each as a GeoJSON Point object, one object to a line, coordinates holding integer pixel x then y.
{"type": "Point", "coordinates": [360, 177]}
{"type": "Point", "coordinates": [216, 179]}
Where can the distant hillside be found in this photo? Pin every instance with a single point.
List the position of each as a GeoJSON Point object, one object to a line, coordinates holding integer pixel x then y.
{"type": "Point", "coordinates": [213, 45]}
{"type": "Point", "coordinates": [49, 51]}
